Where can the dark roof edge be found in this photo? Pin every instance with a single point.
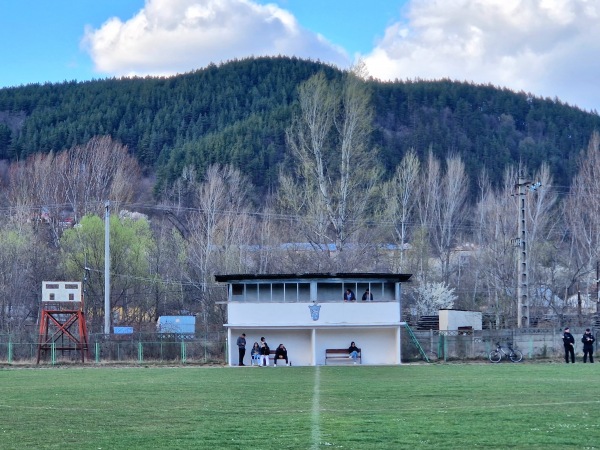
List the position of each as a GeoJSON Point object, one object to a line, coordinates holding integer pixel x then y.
{"type": "Point", "coordinates": [399, 277]}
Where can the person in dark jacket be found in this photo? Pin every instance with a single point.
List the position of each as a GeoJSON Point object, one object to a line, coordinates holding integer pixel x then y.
{"type": "Point", "coordinates": [265, 351]}
{"type": "Point", "coordinates": [588, 345]}
{"type": "Point", "coordinates": [281, 354]}
{"type": "Point", "coordinates": [569, 344]}
{"type": "Point", "coordinates": [241, 343]}
{"type": "Point", "coordinates": [353, 351]}
{"type": "Point", "coordinates": [349, 296]}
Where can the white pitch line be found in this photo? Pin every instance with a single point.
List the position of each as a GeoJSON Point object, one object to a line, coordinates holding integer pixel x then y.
{"type": "Point", "coordinates": [469, 407]}
{"type": "Point", "coordinates": [316, 410]}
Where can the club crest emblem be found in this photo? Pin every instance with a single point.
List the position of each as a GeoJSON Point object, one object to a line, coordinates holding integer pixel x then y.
{"type": "Point", "coordinates": [314, 311]}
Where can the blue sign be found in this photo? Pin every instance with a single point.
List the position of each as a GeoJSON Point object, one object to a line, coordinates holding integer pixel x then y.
{"type": "Point", "coordinates": [314, 311]}
{"type": "Point", "coordinates": [123, 330]}
{"type": "Point", "coordinates": [177, 324]}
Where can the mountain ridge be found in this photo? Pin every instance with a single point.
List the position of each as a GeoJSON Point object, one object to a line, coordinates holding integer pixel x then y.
{"type": "Point", "coordinates": [236, 113]}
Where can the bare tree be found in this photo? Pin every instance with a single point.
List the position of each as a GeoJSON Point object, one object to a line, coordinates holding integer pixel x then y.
{"type": "Point", "coordinates": [36, 193]}
{"type": "Point", "coordinates": [95, 172]}
{"type": "Point", "coordinates": [497, 222]}
{"type": "Point", "coordinates": [49, 187]}
{"type": "Point", "coordinates": [476, 270]}
{"type": "Point", "coordinates": [16, 245]}
{"type": "Point", "coordinates": [496, 230]}
{"type": "Point", "coordinates": [336, 173]}
{"type": "Point", "coordinates": [582, 205]}
{"type": "Point", "coordinates": [542, 222]}
{"type": "Point", "coordinates": [221, 227]}
{"type": "Point", "coordinates": [430, 191]}
{"type": "Point", "coordinates": [582, 220]}
{"type": "Point", "coordinates": [443, 206]}
{"type": "Point", "coordinates": [221, 230]}
{"type": "Point", "coordinates": [167, 270]}
{"type": "Point", "coordinates": [401, 199]}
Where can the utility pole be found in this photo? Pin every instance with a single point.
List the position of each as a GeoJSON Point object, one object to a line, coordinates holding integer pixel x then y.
{"type": "Point", "coordinates": [521, 243]}
{"type": "Point", "coordinates": [107, 268]}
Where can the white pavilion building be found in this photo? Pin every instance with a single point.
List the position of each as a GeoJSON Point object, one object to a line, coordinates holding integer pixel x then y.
{"type": "Point", "coordinates": [307, 313]}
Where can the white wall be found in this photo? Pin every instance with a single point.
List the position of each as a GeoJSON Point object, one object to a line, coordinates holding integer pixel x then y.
{"type": "Point", "coordinates": [372, 325]}
{"type": "Point", "coordinates": [297, 342]}
{"type": "Point", "coordinates": [378, 345]}
{"type": "Point", "coordinates": [453, 319]}
{"type": "Point", "coordinates": [289, 314]}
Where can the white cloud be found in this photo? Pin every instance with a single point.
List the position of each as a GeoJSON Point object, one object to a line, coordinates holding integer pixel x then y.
{"type": "Point", "coordinates": [175, 36]}
{"type": "Point", "coordinates": [550, 48]}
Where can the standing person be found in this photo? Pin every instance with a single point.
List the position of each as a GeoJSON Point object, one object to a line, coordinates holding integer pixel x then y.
{"type": "Point", "coordinates": [353, 351]}
{"type": "Point", "coordinates": [349, 296]}
{"type": "Point", "coordinates": [281, 353]}
{"type": "Point", "coordinates": [588, 345]}
{"type": "Point", "coordinates": [241, 343]}
{"type": "Point", "coordinates": [367, 296]}
{"type": "Point", "coordinates": [255, 354]}
{"type": "Point", "coordinates": [569, 343]}
{"type": "Point", "coordinates": [265, 351]}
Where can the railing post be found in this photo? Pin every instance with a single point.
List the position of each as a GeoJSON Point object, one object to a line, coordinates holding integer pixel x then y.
{"type": "Point", "coordinates": [97, 351]}
{"type": "Point", "coordinates": [53, 353]}
{"type": "Point", "coordinates": [140, 352]}
{"type": "Point", "coordinates": [10, 350]}
{"type": "Point", "coordinates": [183, 350]}
{"type": "Point", "coordinates": [205, 345]}
{"type": "Point", "coordinates": [446, 348]}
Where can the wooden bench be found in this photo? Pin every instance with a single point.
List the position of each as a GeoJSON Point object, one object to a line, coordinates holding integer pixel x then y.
{"type": "Point", "coordinates": [340, 355]}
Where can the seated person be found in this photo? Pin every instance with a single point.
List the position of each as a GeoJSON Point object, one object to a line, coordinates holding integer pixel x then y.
{"type": "Point", "coordinates": [255, 354]}
{"type": "Point", "coordinates": [281, 354]}
{"type": "Point", "coordinates": [367, 296]}
{"type": "Point", "coordinates": [353, 351]}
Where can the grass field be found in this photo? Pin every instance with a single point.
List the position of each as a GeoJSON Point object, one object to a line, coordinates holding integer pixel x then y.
{"type": "Point", "coordinates": [358, 407]}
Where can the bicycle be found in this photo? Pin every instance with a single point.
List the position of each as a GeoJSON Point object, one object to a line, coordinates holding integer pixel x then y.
{"type": "Point", "coordinates": [497, 355]}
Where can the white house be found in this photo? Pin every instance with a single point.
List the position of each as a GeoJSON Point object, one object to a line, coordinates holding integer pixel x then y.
{"type": "Point", "coordinates": [307, 313]}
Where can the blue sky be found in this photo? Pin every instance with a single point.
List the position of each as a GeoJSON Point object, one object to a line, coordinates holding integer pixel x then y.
{"type": "Point", "coordinates": [550, 48]}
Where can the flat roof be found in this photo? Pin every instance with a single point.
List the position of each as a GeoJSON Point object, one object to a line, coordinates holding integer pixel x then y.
{"type": "Point", "coordinates": [391, 277]}
{"type": "Point", "coordinates": [328, 326]}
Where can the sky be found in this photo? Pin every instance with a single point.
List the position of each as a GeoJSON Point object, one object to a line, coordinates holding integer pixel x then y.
{"type": "Point", "coordinates": [549, 48]}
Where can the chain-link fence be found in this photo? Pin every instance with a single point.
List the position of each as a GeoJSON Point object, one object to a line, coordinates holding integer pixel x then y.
{"type": "Point", "coordinates": [137, 347]}
{"type": "Point", "coordinates": [211, 347]}
{"type": "Point", "coordinates": [472, 345]}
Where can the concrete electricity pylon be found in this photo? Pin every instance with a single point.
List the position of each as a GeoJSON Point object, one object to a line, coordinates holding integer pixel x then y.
{"type": "Point", "coordinates": [521, 242]}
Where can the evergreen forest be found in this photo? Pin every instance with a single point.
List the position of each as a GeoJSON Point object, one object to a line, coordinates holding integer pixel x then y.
{"type": "Point", "coordinates": [237, 113]}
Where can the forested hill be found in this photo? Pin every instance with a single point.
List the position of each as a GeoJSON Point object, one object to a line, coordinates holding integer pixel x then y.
{"type": "Point", "coordinates": [238, 112]}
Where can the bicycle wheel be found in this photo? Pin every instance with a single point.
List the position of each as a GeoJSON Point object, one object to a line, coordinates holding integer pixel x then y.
{"type": "Point", "coordinates": [516, 356]}
{"type": "Point", "coordinates": [495, 356]}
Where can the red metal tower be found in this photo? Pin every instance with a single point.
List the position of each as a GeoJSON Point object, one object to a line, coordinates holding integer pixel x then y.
{"type": "Point", "coordinates": [62, 322]}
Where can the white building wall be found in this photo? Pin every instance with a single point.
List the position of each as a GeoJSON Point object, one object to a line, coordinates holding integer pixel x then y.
{"type": "Point", "coordinates": [297, 342]}
{"type": "Point", "coordinates": [453, 319]}
{"type": "Point", "coordinates": [378, 345]}
{"type": "Point", "coordinates": [280, 309]}
{"type": "Point", "coordinates": [290, 314]}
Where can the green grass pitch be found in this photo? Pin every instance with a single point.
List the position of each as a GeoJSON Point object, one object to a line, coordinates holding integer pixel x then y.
{"type": "Point", "coordinates": [440, 406]}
